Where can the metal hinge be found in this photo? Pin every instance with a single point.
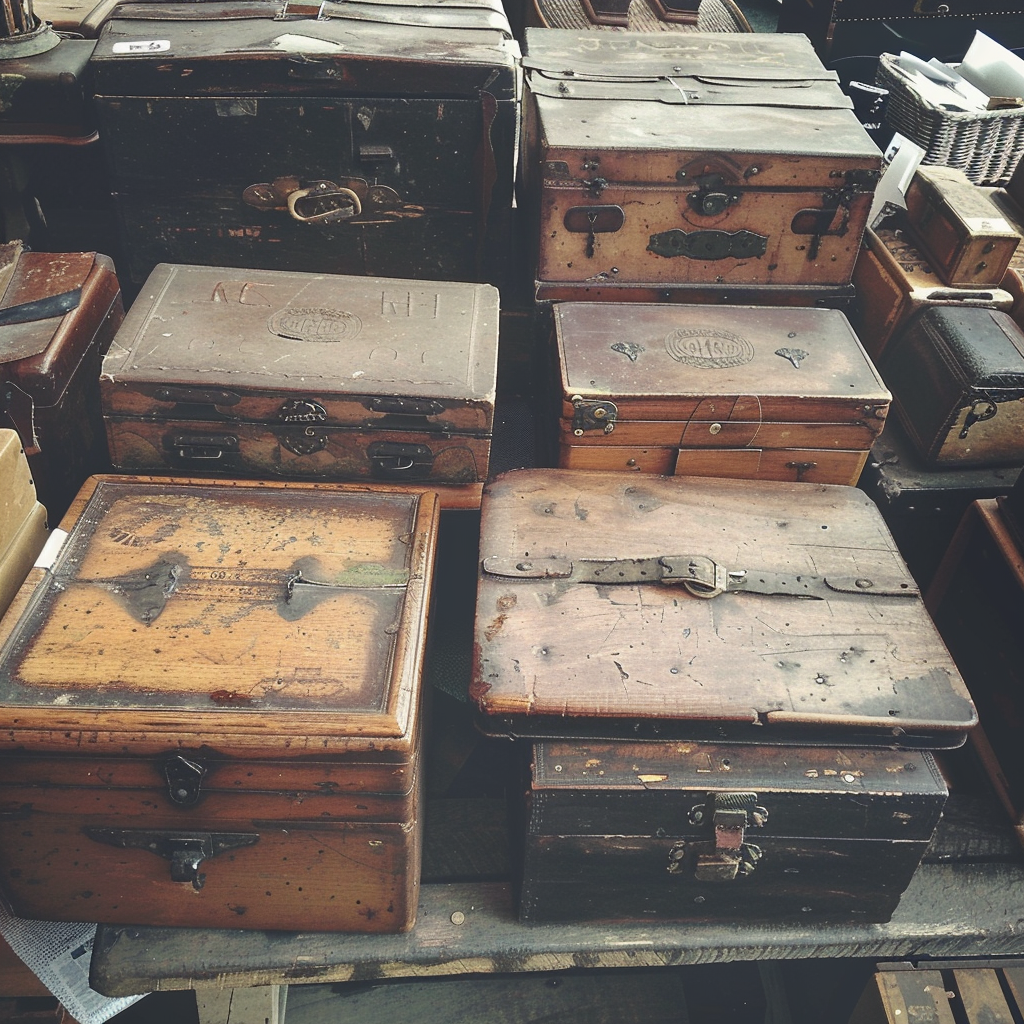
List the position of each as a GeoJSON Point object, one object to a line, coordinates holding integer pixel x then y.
{"type": "Point", "coordinates": [593, 416]}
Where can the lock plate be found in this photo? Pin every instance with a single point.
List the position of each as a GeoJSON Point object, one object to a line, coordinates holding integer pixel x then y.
{"type": "Point", "coordinates": [593, 415]}
{"type": "Point", "coordinates": [712, 244]}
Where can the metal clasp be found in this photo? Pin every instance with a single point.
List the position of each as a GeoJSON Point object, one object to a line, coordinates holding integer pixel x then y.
{"type": "Point", "coordinates": [184, 778]}
{"type": "Point", "coordinates": [185, 850]}
{"type": "Point", "coordinates": [593, 416]}
{"type": "Point", "coordinates": [729, 855]}
{"type": "Point", "coordinates": [987, 408]}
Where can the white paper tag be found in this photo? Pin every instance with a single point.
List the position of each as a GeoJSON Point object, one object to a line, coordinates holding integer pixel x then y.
{"type": "Point", "coordinates": [983, 224]}
{"type": "Point", "coordinates": [142, 46]}
{"type": "Point", "coordinates": [51, 549]}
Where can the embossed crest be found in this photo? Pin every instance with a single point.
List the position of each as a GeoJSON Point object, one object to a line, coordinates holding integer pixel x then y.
{"type": "Point", "coordinates": [314, 324]}
{"type": "Point", "coordinates": [707, 348]}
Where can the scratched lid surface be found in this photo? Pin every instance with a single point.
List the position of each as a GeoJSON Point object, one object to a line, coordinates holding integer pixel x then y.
{"type": "Point", "coordinates": [830, 642]}
{"type": "Point", "coordinates": [270, 346]}
{"type": "Point", "coordinates": [234, 615]}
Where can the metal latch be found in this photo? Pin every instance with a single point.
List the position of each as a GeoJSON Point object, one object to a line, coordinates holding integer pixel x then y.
{"type": "Point", "coordinates": [712, 197]}
{"type": "Point", "coordinates": [593, 416]}
{"type": "Point", "coordinates": [184, 778]}
{"type": "Point", "coordinates": [981, 409]}
{"type": "Point", "coordinates": [728, 856]}
{"type": "Point", "coordinates": [394, 461]}
{"type": "Point", "coordinates": [330, 202]}
{"type": "Point", "coordinates": [185, 850]}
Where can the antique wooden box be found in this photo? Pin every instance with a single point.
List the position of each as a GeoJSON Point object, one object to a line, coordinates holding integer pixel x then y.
{"type": "Point", "coordinates": [985, 633]}
{"type": "Point", "coordinates": [22, 518]}
{"type": "Point", "coordinates": [319, 377]}
{"type": "Point", "coordinates": [374, 139]}
{"type": "Point", "coordinates": [964, 236]}
{"type": "Point", "coordinates": [922, 505]}
{"type": "Point", "coordinates": [210, 697]}
{"type": "Point", "coordinates": [619, 605]}
{"type": "Point", "coordinates": [753, 392]}
{"type": "Point", "coordinates": [716, 158]}
{"type": "Point", "coordinates": [894, 281]}
{"type": "Point", "coordinates": [957, 379]}
{"type": "Point", "coordinates": [621, 831]}
{"type": "Point", "coordinates": [967, 993]}
{"type": "Point", "coordinates": [57, 316]}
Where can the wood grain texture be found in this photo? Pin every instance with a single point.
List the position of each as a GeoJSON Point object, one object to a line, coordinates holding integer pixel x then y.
{"type": "Point", "coordinates": [490, 939]}
{"type": "Point", "coordinates": [594, 659]}
{"type": "Point", "coordinates": [196, 661]}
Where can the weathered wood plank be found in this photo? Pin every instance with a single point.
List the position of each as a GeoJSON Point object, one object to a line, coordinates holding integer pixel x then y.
{"type": "Point", "coordinates": [243, 1005]}
{"type": "Point", "coordinates": [949, 910]}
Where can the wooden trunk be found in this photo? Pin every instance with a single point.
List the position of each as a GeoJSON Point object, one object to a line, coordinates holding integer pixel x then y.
{"type": "Point", "coordinates": [894, 281]}
{"type": "Point", "coordinates": [745, 392]}
{"type": "Point", "coordinates": [964, 236]}
{"type": "Point", "coordinates": [983, 628]}
{"type": "Point", "coordinates": [700, 832]}
{"type": "Point", "coordinates": [706, 158]}
{"type": "Point", "coordinates": [317, 377]}
{"type": "Point", "coordinates": [57, 316]}
{"type": "Point", "coordinates": [967, 994]}
{"type": "Point", "coordinates": [957, 378]}
{"type": "Point", "coordinates": [378, 139]}
{"type": "Point", "coordinates": [579, 634]}
{"type": "Point", "coordinates": [211, 708]}
{"type": "Point", "coordinates": [923, 505]}
{"type": "Point", "coordinates": [22, 518]}
{"type": "Point", "coordinates": [865, 28]}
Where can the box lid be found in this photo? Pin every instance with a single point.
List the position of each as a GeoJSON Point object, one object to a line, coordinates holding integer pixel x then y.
{"type": "Point", "coordinates": [366, 47]}
{"type": "Point", "coordinates": [673, 788]}
{"type": "Point", "coordinates": [572, 639]}
{"type": "Point", "coordinates": [234, 615]}
{"type": "Point", "coordinates": [273, 346]}
{"type": "Point", "coordinates": [49, 314]}
{"type": "Point", "coordinates": [716, 363]}
{"type": "Point", "coordinates": [694, 92]}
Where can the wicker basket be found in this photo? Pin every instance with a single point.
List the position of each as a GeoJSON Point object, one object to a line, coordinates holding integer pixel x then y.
{"type": "Point", "coordinates": [985, 144]}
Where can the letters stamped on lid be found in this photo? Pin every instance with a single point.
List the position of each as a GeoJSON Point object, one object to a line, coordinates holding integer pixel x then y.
{"type": "Point", "coordinates": [708, 349]}
{"type": "Point", "coordinates": [314, 324]}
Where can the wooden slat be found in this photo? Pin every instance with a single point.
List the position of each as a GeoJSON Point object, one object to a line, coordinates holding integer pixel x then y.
{"type": "Point", "coordinates": [466, 928]}
{"type": "Point", "coordinates": [982, 997]}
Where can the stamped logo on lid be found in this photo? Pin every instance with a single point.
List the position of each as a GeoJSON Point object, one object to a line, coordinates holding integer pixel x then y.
{"type": "Point", "coordinates": [314, 324]}
{"type": "Point", "coordinates": [707, 348]}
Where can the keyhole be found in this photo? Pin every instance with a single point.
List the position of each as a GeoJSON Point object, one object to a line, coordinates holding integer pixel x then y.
{"type": "Point", "coordinates": [591, 220]}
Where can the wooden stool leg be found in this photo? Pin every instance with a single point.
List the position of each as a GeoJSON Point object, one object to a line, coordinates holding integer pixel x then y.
{"type": "Point", "coordinates": [264, 1005]}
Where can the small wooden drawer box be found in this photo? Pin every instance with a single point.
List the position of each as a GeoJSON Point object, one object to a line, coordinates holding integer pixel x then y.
{"type": "Point", "coordinates": [210, 706]}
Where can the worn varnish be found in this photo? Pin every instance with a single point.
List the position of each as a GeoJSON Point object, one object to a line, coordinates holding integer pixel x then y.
{"type": "Point", "coordinates": [558, 655]}
{"type": "Point", "coordinates": [58, 314]}
{"type": "Point", "coordinates": [230, 669]}
{"type": "Point", "coordinates": [704, 832]}
{"type": "Point", "coordinates": [714, 158]}
{"type": "Point", "coordinates": [739, 391]}
{"type": "Point", "coordinates": [894, 281]}
{"type": "Point", "coordinates": [957, 378]}
{"type": "Point", "coordinates": [304, 376]}
{"type": "Point", "coordinates": [378, 139]}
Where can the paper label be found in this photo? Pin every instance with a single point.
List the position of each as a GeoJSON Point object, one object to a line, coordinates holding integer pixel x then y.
{"type": "Point", "coordinates": [142, 46]}
{"type": "Point", "coordinates": [46, 557]}
{"type": "Point", "coordinates": [988, 224]}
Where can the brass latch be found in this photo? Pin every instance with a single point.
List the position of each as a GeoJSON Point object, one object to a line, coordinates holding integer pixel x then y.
{"type": "Point", "coordinates": [728, 855]}
{"type": "Point", "coordinates": [185, 850]}
{"type": "Point", "coordinates": [330, 202]}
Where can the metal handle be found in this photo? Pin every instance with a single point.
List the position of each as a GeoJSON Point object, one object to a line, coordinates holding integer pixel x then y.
{"type": "Point", "coordinates": [322, 191]}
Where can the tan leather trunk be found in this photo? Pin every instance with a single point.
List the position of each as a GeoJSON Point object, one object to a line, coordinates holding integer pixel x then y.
{"type": "Point", "coordinates": [590, 619]}
{"type": "Point", "coordinates": [210, 697]}
{"type": "Point", "coordinates": [740, 391]}
{"type": "Point", "coordinates": [966, 238]}
{"type": "Point", "coordinates": [716, 158]}
{"type": "Point", "coordinates": [894, 281]}
{"type": "Point", "coordinates": [304, 376]}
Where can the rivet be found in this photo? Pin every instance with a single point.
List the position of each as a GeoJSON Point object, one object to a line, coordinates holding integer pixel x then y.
{"type": "Point", "coordinates": [458, 917]}
{"type": "Point", "coordinates": [864, 584]}
{"type": "Point", "coordinates": [847, 777]}
{"type": "Point", "coordinates": [715, 428]}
